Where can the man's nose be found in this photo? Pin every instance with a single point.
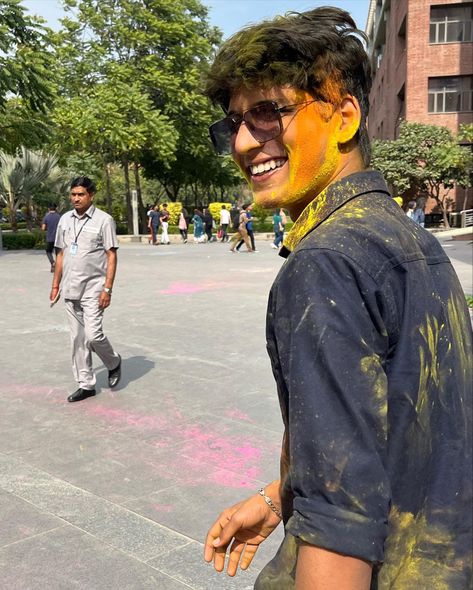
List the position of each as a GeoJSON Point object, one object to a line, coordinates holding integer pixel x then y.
{"type": "Point", "coordinates": [244, 141]}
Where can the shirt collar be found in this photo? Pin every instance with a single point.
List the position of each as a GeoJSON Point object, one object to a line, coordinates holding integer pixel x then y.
{"type": "Point", "coordinates": [328, 201]}
{"type": "Point", "coordinates": [88, 213]}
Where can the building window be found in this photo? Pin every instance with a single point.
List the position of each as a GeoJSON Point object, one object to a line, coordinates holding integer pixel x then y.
{"type": "Point", "coordinates": [450, 95]}
{"type": "Point", "coordinates": [451, 23]}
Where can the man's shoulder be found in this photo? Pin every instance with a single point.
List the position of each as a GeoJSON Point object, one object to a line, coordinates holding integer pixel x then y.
{"type": "Point", "coordinates": [374, 233]}
{"type": "Point", "coordinates": [65, 217]}
{"type": "Point", "coordinates": [101, 215]}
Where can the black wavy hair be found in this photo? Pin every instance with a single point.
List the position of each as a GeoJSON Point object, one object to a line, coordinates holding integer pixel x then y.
{"type": "Point", "coordinates": [86, 183]}
{"type": "Point", "coordinates": [320, 51]}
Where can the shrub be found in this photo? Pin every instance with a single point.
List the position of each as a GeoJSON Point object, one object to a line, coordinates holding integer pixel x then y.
{"type": "Point", "coordinates": [122, 229]}
{"type": "Point", "coordinates": [174, 212]}
{"type": "Point", "coordinates": [23, 240]}
{"type": "Point", "coordinates": [215, 209]}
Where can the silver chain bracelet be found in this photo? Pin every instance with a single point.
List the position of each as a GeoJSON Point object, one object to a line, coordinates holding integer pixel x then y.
{"type": "Point", "coordinates": [270, 503]}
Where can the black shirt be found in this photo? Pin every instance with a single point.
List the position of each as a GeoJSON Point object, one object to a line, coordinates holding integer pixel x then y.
{"type": "Point", "coordinates": [370, 344]}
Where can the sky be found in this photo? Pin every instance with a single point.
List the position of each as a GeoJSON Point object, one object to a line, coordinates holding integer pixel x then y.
{"type": "Point", "coordinates": [229, 15]}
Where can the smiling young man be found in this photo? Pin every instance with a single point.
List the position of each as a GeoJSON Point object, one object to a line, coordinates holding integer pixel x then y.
{"type": "Point", "coordinates": [367, 330]}
{"type": "Point", "coordinates": [86, 261]}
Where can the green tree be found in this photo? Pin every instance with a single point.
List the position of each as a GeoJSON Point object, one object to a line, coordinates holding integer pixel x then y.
{"type": "Point", "coordinates": [427, 159]}
{"type": "Point", "coordinates": [116, 122]}
{"type": "Point", "coordinates": [151, 51]}
{"type": "Point", "coordinates": [26, 73]}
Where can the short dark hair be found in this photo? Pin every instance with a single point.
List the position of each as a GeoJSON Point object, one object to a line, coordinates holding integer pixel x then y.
{"type": "Point", "coordinates": [52, 206]}
{"type": "Point", "coordinates": [85, 182]}
{"type": "Point", "coordinates": [319, 51]}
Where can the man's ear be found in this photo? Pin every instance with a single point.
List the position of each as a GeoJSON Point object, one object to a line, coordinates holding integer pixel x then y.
{"type": "Point", "coordinates": [350, 114]}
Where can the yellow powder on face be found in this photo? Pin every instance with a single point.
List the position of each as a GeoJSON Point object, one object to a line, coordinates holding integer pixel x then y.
{"type": "Point", "coordinates": [313, 156]}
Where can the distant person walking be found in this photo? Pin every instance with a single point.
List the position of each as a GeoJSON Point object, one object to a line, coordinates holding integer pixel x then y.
{"type": "Point", "coordinates": [182, 224]}
{"type": "Point", "coordinates": [224, 223]}
{"type": "Point", "coordinates": [86, 248]}
{"type": "Point", "coordinates": [278, 229]}
{"type": "Point", "coordinates": [49, 225]}
{"type": "Point", "coordinates": [153, 224]}
{"type": "Point", "coordinates": [410, 209]}
{"type": "Point", "coordinates": [241, 233]}
{"type": "Point", "coordinates": [208, 224]}
{"type": "Point", "coordinates": [419, 213]}
{"type": "Point", "coordinates": [198, 222]}
{"type": "Point", "coordinates": [249, 229]}
{"type": "Point", "coordinates": [164, 221]}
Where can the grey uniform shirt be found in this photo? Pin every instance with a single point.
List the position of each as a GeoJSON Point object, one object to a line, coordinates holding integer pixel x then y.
{"type": "Point", "coordinates": [83, 273]}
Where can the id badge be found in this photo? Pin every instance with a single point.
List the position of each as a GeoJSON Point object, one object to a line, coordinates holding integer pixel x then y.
{"type": "Point", "coordinates": [73, 249]}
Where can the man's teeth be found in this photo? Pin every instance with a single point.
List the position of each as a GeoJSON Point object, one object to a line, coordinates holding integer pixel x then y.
{"type": "Point", "coordinates": [266, 167]}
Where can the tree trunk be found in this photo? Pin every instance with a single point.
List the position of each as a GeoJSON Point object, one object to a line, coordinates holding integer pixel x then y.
{"type": "Point", "coordinates": [12, 211]}
{"type": "Point", "coordinates": [446, 224]}
{"type": "Point", "coordinates": [29, 216]}
{"type": "Point", "coordinates": [141, 207]}
{"type": "Point", "coordinates": [108, 188]}
{"type": "Point", "coordinates": [13, 221]}
{"type": "Point", "coordinates": [129, 208]}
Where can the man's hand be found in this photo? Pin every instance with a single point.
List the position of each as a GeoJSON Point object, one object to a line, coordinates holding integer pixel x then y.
{"type": "Point", "coordinates": [53, 294]}
{"type": "Point", "coordinates": [245, 525]}
{"type": "Point", "coordinates": [104, 299]}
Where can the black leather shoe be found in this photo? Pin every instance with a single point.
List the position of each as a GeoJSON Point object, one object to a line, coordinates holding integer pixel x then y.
{"type": "Point", "coordinates": [80, 394]}
{"type": "Point", "coordinates": [115, 374]}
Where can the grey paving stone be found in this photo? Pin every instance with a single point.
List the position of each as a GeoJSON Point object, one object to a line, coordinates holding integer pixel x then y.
{"type": "Point", "coordinates": [187, 566]}
{"type": "Point", "coordinates": [114, 467]}
{"type": "Point", "coordinates": [189, 510]}
{"type": "Point", "coordinates": [196, 401]}
{"type": "Point", "coordinates": [20, 520]}
{"type": "Point", "coordinates": [66, 558]}
{"type": "Point", "coordinates": [108, 522]}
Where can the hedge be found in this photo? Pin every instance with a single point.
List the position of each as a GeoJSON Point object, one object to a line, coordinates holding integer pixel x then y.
{"type": "Point", "coordinates": [22, 240]}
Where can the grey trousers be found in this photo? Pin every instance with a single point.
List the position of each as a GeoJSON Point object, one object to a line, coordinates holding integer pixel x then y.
{"type": "Point", "coordinates": [85, 322]}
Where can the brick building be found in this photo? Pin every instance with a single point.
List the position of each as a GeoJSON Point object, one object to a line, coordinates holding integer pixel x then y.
{"type": "Point", "coordinates": [422, 59]}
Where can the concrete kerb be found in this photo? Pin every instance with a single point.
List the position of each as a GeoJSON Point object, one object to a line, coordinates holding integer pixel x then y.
{"type": "Point", "coordinates": [451, 233]}
{"type": "Point", "coordinates": [176, 238]}
{"type": "Point", "coordinates": [269, 236]}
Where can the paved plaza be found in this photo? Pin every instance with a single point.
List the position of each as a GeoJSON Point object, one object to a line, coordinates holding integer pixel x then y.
{"type": "Point", "coordinates": [117, 491]}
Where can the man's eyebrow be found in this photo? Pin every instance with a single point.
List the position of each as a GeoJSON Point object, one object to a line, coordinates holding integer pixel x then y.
{"type": "Point", "coordinates": [256, 104]}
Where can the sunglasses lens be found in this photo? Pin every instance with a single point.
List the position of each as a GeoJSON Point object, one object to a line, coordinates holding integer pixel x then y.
{"type": "Point", "coordinates": [221, 135]}
{"type": "Point", "coordinates": [264, 121]}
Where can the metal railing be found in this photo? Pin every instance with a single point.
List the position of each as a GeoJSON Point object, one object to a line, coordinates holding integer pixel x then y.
{"type": "Point", "coordinates": [461, 218]}
{"type": "Point", "coordinates": [466, 217]}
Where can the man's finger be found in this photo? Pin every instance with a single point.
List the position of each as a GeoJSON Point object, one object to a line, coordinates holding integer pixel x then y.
{"type": "Point", "coordinates": [213, 534]}
{"type": "Point", "coordinates": [219, 558]}
{"type": "Point", "coordinates": [247, 557]}
{"type": "Point", "coordinates": [234, 558]}
{"type": "Point", "coordinates": [229, 529]}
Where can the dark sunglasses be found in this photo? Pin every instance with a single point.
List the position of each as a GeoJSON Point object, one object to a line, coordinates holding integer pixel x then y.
{"type": "Point", "coordinates": [262, 121]}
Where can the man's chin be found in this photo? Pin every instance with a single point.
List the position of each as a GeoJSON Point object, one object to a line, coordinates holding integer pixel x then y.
{"type": "Point", "coordinates": [267, 199]}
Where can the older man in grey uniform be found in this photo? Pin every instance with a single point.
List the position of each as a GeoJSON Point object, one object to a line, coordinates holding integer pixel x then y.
{"type": "Point", "coordinates": [86, 246]}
